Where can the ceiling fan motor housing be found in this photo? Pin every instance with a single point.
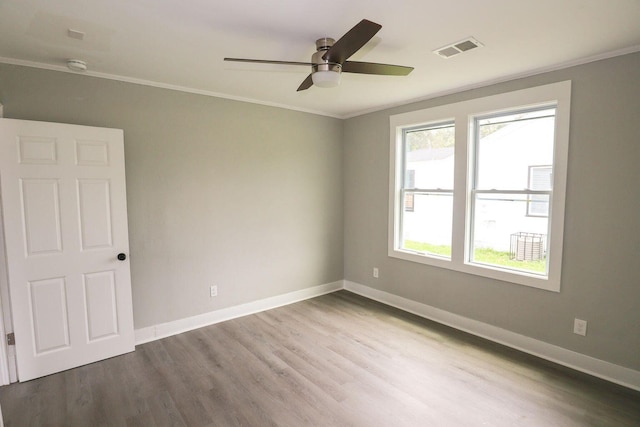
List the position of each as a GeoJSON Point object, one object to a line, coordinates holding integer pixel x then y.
{"type": "Point", "coordinates": [320, 64]}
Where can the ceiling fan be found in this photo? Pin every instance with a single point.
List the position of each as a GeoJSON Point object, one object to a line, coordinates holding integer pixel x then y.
{"type": "Point", "coordinates": [330, 60]}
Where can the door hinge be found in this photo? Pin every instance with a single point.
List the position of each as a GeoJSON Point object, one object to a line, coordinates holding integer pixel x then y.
{"type": "Point", "coordinates": [11, 339]}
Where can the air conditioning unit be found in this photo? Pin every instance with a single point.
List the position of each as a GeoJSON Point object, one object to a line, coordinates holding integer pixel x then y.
{"type": "Point", "coordinates": [528, 246]}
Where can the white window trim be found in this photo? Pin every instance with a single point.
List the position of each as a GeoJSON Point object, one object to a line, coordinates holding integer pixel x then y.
{"type": "Point", "coordinates": [462, 113]}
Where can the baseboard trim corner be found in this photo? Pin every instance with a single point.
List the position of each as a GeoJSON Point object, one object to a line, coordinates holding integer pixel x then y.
{"type": "Point", "coordinates": [163, 330]}
{"type": "Point", "coordinates": [599, 368]}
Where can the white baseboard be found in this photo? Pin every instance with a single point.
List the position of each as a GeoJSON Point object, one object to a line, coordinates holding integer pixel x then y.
{"type": "Point", "coordinates": [580, 362]}
{"type": "Point", "coordinates": [163, 330]}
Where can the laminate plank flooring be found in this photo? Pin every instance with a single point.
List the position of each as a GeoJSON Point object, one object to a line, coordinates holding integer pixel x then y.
{"type": "Point", "coordinates": [335, 360]}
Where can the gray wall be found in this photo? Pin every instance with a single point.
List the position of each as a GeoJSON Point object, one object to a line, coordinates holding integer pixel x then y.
{"type": "Point", "coordinates": [242, 196]}
{"type": "Point", "coordinates": [251, 198]}
{"type": "Point", "coordinates": [601, 267]}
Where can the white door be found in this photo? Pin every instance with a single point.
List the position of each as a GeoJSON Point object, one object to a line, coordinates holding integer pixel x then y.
{"type": "Point", "coordinates": [65, 222]}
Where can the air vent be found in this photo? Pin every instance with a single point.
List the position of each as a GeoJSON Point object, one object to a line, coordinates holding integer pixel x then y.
{"type": "Point", "coordinates": [459, 47]}
{"type": "Point", "coordinates": [75, 34]}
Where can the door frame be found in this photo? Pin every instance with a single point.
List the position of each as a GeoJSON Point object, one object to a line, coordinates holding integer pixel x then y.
{"type": "Point", "coordinates": [8, 371]}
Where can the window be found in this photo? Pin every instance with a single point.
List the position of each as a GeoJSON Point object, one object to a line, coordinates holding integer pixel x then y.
{"type": "Point", "coordinates": [428, 150]}
{"type": "Point", "coordinates": [505, 145]}
{"type": "Point", "coordinates": [478, 186]}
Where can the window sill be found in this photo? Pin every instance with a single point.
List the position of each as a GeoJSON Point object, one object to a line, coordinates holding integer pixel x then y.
{"type": "Point", "coordinates": [533, 280]}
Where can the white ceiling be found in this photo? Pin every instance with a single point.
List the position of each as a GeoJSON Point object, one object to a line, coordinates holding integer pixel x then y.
{"type": "Point", "coordinates": [181, 43]}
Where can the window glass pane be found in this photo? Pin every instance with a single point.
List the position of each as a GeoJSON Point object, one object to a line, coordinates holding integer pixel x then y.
{"type": "Point", "coordinates": [540, 178]}
{"type": "Point", "coordinates": [428, 227]}
{"type": "Point", "coordinates": [410, 179]}
{"type": "Point", "coordinates": [504, 235]}
{"type": "Point", "coordinates": [509, 145]}
{"type": "Point", "coordinates": [429, 157]}
{"type": "Point", "coordinates": [409, 202]}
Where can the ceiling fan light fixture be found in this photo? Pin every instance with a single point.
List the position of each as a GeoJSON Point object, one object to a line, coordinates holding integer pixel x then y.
{"type": "Point", "coordinates": [326, 78]}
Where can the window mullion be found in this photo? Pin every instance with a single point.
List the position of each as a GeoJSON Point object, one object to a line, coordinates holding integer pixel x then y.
{"type": "Point", "coordinates": [460, 204]}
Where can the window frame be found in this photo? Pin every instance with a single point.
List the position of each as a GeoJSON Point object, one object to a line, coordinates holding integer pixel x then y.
{"type": "Point", "coordinates": [463, 114]}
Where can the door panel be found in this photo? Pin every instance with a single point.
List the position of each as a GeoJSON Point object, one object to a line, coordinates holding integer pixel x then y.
{"type": "Point", "coordinates": [41, 216]}
{"type": "Point", "coordinates": [64, 213]}
{"type": "Point", "coordinates": [37, 150]}
{"type": "Point", "coordinates": [94, 208]}
{"type": "Point", "coordinates": [49, 314]}
{"type": "Point", "coordinates": [102, 316]}
{"type": "Point", "coordinates": [92, 153]}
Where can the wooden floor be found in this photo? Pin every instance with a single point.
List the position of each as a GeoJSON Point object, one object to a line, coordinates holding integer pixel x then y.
{"type": "Point", "coordinates": [336, 360]}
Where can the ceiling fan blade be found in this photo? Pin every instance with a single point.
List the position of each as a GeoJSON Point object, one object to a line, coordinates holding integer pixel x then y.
{"type": "Point", "coordinates": [306, 84]}
{"type": "Point", "coordinates": [352, 41]}
{"type": "Point", "coordinates": [374, 68]}
{"type": "Point", "coordinates": [266, 61]}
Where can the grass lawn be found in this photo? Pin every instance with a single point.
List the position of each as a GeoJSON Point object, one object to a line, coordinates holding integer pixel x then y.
{"type": "Point", "coordinates": [483, 255]}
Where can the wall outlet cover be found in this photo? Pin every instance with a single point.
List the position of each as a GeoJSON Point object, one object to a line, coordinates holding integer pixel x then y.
{"type": "Point", "coordinates": [580, 327]}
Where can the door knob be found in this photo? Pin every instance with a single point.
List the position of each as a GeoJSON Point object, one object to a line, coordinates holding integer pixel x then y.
{"type": "Point", "coordinates": [122, 256]}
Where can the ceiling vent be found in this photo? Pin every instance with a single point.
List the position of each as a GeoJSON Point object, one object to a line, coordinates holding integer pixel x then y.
{"type": "Point", "coordinates": [75, 34]}
{"type": "Point", "coordinates": [458, 47]}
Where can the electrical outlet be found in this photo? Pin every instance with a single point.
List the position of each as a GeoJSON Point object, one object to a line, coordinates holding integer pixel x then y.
{"type": "Point", "coordinates": [213, 291]}
{"type": "Point", "coordinates": [580, 327]}
{"type": "Point", "coordinates": [376, 273]}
